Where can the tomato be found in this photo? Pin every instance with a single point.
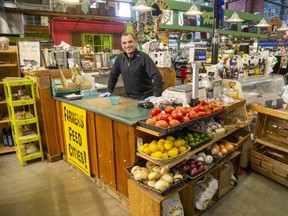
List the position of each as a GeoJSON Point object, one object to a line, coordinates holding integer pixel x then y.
{"type": "Point", "coordinates": [185, 111]}
{"type": "Point", "coordinates": [174, 122]}
{"type": "Point", "coordinates": [217, 108]}
{"type": "Point", "coordinates": [162, 116]}
{"type": "Point", "coordinates": [185, 119]}
{"type": "Point", "coordinates": [151, 121]}
{"type": "Point", "coordinates": [202, 113]}
{"type": "Point", "coordinates": [192, 115]}
{"type": "Point", "coordinates": [203, 102]}
{"type": "Point", "coordinates": [161, 123]}
{"type": "Point", "coordinates": [210, 106]}
{"type": "Point", "coordinates": [177, 114]}
{"type": "Point", "coordinates": [155, 111]}
{"type": "Point", "coordinates": [201, 108]}
{"type": "Point", "coordinates": [169, 109]}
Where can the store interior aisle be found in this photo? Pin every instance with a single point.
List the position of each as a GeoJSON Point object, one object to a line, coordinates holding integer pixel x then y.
{"type": "Point", "coordinates": [58, 189]}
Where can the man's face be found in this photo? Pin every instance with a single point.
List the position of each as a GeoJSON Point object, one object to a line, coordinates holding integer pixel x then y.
{"type": "Point", "coordinates": [128, 44]}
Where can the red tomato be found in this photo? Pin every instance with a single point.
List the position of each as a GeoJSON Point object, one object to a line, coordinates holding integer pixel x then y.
{"type": "Point", "coordinates": [192, 115]}
{"type": "Point", "coordinates": [185, 111]}
{"type": "Point", "coordinates": [169, 109]}
{"type": "Point", "coordinates": [179, 108]}
{"type": "Point", "coordinates": [177, 114]}
{"type": "Point", "coordinates": [162, 116]}
{"type": "Point", "coordinates": [203, 102]}
{"type": "Point", "coordinates": [174, 122]}
{"type": "Point", "coordinates": [210, 106]}
{"type": "Point", "coordinates": [150, 121]}
{"type": "Point", "coordinates": [155, 111]}
{"type": "Point", "coordinates": [217, 108]}
{"type": "Point", "coordinates": [185, 119]}
{"type": "Point", "coordinates": [201, 108]}
{"type": "Point", "coordinates": [161, 123]}
{"type": "Point", "coordinates": [202, 113]}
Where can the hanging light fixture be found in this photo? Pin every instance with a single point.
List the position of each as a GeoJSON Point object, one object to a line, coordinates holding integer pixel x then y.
{"type": "Point", "coordinates": [235, 18]}
{"type": "Point", "coordinates": [284, 27]}
{"type": "Point", "coordinates": [142, 6]}
{"type": "Point", "coordinates": [70, 2]}
{"type": "Point", "coordinates": [193, 11]}
{"type": "Point", "coordinates": [262, 23]}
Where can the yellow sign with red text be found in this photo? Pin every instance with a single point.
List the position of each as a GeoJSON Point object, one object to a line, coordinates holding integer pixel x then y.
{"type": "Point", "coordinates": [76, 137]}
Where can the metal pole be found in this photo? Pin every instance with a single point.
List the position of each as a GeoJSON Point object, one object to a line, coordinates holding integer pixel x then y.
{"type": "Point", "coordinates": [215, 34]}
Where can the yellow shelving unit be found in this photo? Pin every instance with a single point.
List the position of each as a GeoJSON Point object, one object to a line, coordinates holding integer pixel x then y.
{"type": "Point", "coordinates": [23, 115]}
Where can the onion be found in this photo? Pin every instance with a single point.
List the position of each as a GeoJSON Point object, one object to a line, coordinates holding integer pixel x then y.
{"type": "Point", "coordinates": [161, 185]}
{"type": "Point", "coordinates": [214, 151]}
{"type": "Point", "coordinates": [149, 165]}
{"type": "Point", "coordinates": [156, 169]}
{"type": "Point", "coordinates": [201, 154]}
{"type": "Point", "coordinates": [164, 170]}
{"type": "Point", "coordinates": [208, 159]}
{"type": "Point", "coordinates": [154, 176]}
{"type": "Point", "coordinates": [151, 183]}
{"type": "Point", "coordinates": [168, 178]}
{"type": "Point", "coordinates": [134, 168]}
{"type": "Point", "coordinates": [141, 174]}
{"type": "Point", "coordinates": [177, 177]}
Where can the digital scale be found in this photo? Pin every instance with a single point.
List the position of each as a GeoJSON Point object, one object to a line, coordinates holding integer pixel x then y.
{"type": "Point", "coordinates": [182, 94]}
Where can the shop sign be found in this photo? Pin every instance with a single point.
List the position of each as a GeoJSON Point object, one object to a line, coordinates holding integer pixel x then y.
{"type": "Point", "coordinates": [76, 137]}
{"type": "Point", "coordinates": [207, 18]}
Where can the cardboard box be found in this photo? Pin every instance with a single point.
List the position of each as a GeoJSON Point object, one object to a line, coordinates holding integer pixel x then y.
{"type": "Point", "coordinates": [224, 179]}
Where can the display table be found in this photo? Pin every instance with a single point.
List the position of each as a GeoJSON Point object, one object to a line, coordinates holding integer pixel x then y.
{"type": "Point", "coordinates": [111, 137]}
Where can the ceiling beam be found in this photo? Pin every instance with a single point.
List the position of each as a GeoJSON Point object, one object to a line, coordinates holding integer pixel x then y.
{"type": "Point", "coordinates": [70, 16]}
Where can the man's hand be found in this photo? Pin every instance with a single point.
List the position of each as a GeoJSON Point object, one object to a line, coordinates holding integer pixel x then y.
{"type": "Point", "coordinates": [149, 98]}
{"type": "Point", "coordinates": [105, 94]}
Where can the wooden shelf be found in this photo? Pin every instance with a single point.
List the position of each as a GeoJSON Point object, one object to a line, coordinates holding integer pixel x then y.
{"type": "Point", "coordinates": [6, 149]}
{"type": "Point", "coordinates": [8, 65]}
{"type": "Point", "coordinates": [4, 119]}
{"type": "Point", "coordinates": [282, 146]}
{"type": "Point", "coordinates": [3, 102]}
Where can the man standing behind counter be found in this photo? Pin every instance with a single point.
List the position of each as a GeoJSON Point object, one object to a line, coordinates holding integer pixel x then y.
{"type": "Point", "coordinates": [141, 77]}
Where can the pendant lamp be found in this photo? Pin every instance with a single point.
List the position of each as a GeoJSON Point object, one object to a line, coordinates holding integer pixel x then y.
{"type": "Point", "coordinates": [262, 23]}
{"type": "Point", "coordinates": [193, 11]}
{"type": "Point", "coordinates": [284, 27]}
{"type": "Point", "coordinates": [142, 6]}
{"type": "Point", "coordinates": [70, 2]}
{"type": "Point", "coordinates": [235, 18]}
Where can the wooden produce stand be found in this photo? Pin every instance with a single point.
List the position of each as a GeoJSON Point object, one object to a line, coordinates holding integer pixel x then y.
{"type": "Point", "coordinates": [269, 155]}
{"type": "Point", "coordinates": [143, 201]}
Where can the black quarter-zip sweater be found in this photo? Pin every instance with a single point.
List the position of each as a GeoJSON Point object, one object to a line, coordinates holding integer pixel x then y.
{"type": "Point", "coordinates": [140, 76]}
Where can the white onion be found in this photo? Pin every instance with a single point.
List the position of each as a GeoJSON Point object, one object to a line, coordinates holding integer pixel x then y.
{"type": "Point", "coordinates": [168, 178]}
{"type": "Point", "coordinates": [154, 176]}
{"type": "Point", "coordinates": [161, 185]}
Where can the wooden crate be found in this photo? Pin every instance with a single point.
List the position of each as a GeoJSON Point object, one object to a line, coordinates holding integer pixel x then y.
{"type": "Point", "coordinates": [270, 162]}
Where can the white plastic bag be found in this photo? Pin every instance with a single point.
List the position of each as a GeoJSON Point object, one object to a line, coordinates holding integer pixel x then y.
{"type": "Point", "coordinates": [172, 206]}
{"type": "Point", "coordinates": [204, 191]}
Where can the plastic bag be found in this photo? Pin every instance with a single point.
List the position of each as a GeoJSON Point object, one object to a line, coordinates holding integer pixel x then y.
{"type": "Point", "coordinates": [172, 206]}
{"type": "Point", "coordinates": [204, 191]}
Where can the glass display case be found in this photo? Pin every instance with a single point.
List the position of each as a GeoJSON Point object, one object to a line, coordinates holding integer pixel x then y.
{"type": "Point", "coordinates": [259, 89]}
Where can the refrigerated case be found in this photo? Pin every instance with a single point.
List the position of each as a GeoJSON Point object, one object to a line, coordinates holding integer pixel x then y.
{"type": "Point", "coordinates": [256, 89]}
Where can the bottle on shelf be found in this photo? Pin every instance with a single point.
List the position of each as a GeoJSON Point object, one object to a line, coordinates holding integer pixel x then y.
{"type": "Point", "coordinates": [4, 137]}
{"type": "Point", "coordinates": [250, 68]}
{"type": "Point", "coordinates": [9, 137]}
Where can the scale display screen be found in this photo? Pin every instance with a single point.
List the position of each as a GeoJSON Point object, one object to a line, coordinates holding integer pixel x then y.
{"type": "Point", "coordinates": [200, 55]}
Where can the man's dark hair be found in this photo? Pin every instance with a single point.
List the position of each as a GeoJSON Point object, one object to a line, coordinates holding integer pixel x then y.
{"type": "Point", "coordinates": [128, 33]}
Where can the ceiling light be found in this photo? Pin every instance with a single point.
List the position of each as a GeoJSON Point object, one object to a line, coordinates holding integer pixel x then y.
{"type": "Point", "coordinates": [70, 2]}
{"type": "Point", "coordinates": [142, 6]}
{"type": "Point", "coordinates": [193, 11]}
{"type": "Point", "coordinates": [284, 27]}
{"type": "Point", "coordinates": [234, 18]}
{"type": "Point", "coordinates": [262, 23]}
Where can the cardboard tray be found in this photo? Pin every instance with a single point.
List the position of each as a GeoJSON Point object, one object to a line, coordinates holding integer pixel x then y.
{"type": "Point", "coordinates": [172, 188]}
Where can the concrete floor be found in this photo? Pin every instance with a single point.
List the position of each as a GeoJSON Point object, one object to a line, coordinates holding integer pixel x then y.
{"type": "Point", "coordinates": [57, 189]}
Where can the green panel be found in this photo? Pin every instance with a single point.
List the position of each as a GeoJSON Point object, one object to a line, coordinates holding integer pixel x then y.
{"type": "Point", "coordinates": [97, 41]}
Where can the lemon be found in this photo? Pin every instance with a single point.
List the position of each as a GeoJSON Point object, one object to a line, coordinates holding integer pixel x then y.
{"type": "Point", "coordinates": [153, 147]}
{"type": "Point", "coordinates": [146, 144]}
{"type": "Point", "coordinates": [141, 148]}
{"type": "Point", "coordinates": [177, 143]}
{"type": "Point", "coordinates": [176, 149]}
{"type": "Point", "coordinates": [172, 153]}
{"type": "Point", "coordinates": [154, 141]}
{"type": "Point", "coordinates": [165, 155]}
{"type": "Point", "coordinates": [181, 149]}
{"type": "Point", "coordinates": [161, 147]}
{"type": "Point", "coordinates": [161, 140]}
{"type": "Point", "coordinates": [157, 154]}
{"type": "Point", "coordinates": [147, 151]}
{"type": "Point", "coordinates": [168, 145]}
{"type": "Point", "coordinates": [171, 138]}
